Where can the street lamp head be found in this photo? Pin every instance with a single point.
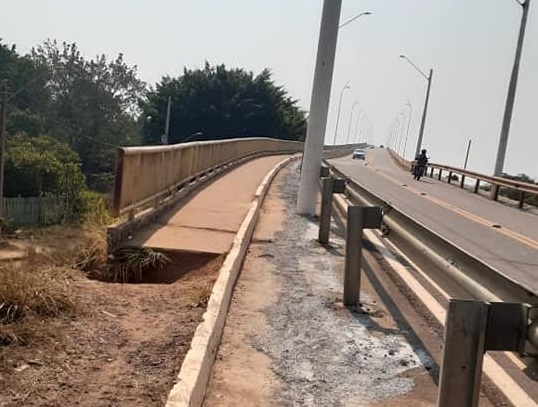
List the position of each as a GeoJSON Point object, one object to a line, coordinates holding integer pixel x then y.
{"type": "Point", "coordinates": [402, 56]}
{"type": "Point", "coordinates": [367, 13]}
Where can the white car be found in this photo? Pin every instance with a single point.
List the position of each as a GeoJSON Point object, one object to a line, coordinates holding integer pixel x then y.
{"type": "Point", "coordinates": [359, 153]}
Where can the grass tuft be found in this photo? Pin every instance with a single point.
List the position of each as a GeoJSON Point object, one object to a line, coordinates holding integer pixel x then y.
{"type": "Point", "coordinates": [38, 292]}
{"type": "Point", "coordinates": [93, 257]}
{"type": "Point", "coordinates": [130, 264]}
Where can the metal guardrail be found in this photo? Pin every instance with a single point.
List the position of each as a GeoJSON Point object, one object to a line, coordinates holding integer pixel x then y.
{"type": "Point", "coordinates": [472, 327]}
{"type": "Point", "coordinates": [497, 183]}
{"type": "Point", "coordinates": [480, 280]}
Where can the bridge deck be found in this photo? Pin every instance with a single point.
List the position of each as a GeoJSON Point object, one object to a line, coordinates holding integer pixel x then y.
{"type": "Point", "coordinates": [501, 236]}
{"type": "Point", "coordinates": [209, 221]}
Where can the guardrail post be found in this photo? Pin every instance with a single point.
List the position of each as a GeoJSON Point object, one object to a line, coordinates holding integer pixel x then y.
{"type": "Point", "coordinates": [476, 186]}
{"type": "Point", "coordinates": [471, 329]}
{"type": "Point", "coordinates": [521, 199]}
{"type": "Point", "coordinates": [352, 272]}
{"type": "Point", "coordinates": [462, 181]}
{"type": "Point", "coordinates": [330, 186]}
{"type": "Point", "coordinates": [465, 338]}
{"type": "Point", "coordinates": [496, 190]}
{"type": "Point", "coordinates": [358, 218]}
{"type": "Point", "coordinates": [449, 177]}
{"type": "Point", "coordinates": [431, 172]}
{"type": "Point", "coordinates": [326, 209]}
{"type": "Point", "coordinates": [439, 175]}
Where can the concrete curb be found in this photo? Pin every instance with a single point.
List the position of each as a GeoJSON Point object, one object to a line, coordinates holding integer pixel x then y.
{"type": "Point", "coordinates": [191, 382]}
{"type": "Point", "coordinates": [405, 164]}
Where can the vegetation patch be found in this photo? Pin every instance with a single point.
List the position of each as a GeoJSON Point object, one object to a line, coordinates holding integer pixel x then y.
{"type": "Point", "coordinates": [130, 265]}
{"type": "Point", "coordinates": [41, 292]}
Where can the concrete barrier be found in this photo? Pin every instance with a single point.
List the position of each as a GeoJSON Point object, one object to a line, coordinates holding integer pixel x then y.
{"type": "Point", "coordinates": [147, 175]}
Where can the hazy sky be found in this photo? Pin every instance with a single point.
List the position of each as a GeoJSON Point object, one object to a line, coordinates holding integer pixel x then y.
{"type": "Point", "coordinates": [470, 45]}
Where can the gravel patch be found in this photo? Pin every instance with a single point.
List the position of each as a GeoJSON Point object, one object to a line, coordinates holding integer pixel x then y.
{"type": "Point", "coordinates": [325, 355]}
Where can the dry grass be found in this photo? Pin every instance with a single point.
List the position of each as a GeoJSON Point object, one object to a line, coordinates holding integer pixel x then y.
{"type": "Point", "coordinates": [203, 294]}
{"type": "Point", "coordinates": [127, 265]}
{"type": "Point", "coordinates": [40, 292]}
{"type": "Point", "coordinates": [25, 292]}
{"type": "Point", "coordinates": [92, 259]}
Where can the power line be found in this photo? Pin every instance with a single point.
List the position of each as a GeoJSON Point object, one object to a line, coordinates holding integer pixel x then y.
{"type": "Point", "coordinates": [30, 82]}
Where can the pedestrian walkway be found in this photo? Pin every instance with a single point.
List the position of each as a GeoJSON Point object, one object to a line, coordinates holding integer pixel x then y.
{"type": "Point", "coordinates": [288, 341]}
{"type": "Point", "coordinates": [209, 221]}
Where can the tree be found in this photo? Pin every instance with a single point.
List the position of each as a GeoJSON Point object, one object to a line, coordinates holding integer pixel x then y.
{"type": "Point", "coordinates": [26, 80]}
{"type": "Point", "coordinates": [221, 103]}
{"type": "Point", "coordinates": [41, 165]}
{"type": "Point", "coordinates": [93, 106]}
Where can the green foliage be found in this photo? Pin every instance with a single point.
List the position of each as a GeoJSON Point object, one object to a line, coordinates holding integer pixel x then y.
{"type": "Point", "coordinates": [23, 76]}
{"type": "Point", "coordinates": [41, 165]}
{"type": "Point", "coordinates": [89, 104]}
{"type": "Point", "coordinates": [92, 208]}
{"type": "Point", "coordinates": [130, 264]}
{"type": "Point", "coordinates": [221, 103]}
{"type": "Point", "coordinates": [95, 105]}
{"type": "Point", "coordinates": [93, 102]}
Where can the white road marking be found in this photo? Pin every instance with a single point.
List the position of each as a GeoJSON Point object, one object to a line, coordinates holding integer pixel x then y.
{"type": "Point", "coordinates": [491, 368]}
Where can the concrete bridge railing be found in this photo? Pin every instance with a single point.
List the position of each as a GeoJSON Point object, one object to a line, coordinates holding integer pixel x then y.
{"type": "Point", "coordinates": [145, 175]}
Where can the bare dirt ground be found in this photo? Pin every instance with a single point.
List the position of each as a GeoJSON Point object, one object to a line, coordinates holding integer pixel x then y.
{"type": "Point", "coordinates": [123, 345]}
{"type": "Point", "coordinates": [288, 341]}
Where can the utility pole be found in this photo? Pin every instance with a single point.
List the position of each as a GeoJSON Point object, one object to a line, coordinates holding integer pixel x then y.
{"type": "Point", "coordinates": [165, 137]}
{"type": "Point", "coordinates": [408, 104]}
{"type": "Point", "coordinates": [319, 104]}
{"type": "Point", "coordinates": [3, 119]}
{"type": "Point", "coordinates": [509, 107]}
{"type": "Point", "coordinates": [423, 121]}
{"type": "Point", "coordinates": [467, 155]}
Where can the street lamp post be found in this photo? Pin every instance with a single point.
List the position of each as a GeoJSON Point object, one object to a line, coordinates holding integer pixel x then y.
{"type": "Point", "coordinates": [191, 136]}
{"type": "Point", "coordinates": [319, 104]}
{"type": "Point", "coordinates": [467, 155]}
{"type": "Point", "coordinates": [357, 126]}
{"type": "Point", "coordinates": [395, 128]}
{"type": "Point", "coordinates": [366, 13]}
{"type": "Point", "coordinates": [363, 120]}
{"type": "Point", "coordinates": [364, 123]}
{"type": "Point", "coordinates": [401, 129]}
{"type": "Point", "coordinates": [423, 121]}
{"type": "Point", "coordinates": [346, 86]}
{"type": "Point", "coordinates": [509, 107]}
{"type": "Point", "coordinates": [408, 104]}
{"type": "Point", "coordinates": [356, 103]}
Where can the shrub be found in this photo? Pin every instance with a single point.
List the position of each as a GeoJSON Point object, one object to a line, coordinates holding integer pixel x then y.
{"type": "Point", "coordinates": [91, 208]}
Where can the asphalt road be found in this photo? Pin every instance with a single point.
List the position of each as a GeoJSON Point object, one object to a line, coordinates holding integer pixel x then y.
{"type": "Point", "coordinates": [501, 236]}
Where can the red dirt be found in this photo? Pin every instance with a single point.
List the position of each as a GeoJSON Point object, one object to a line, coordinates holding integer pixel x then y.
{"type": "Point", "coordinates": [122, 347]}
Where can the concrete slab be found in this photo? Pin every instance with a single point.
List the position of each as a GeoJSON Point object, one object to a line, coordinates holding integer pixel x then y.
{"type": "Point", "coordinates": [171, 237]}
{"type": "Point", "coordinates": [209, 221]}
